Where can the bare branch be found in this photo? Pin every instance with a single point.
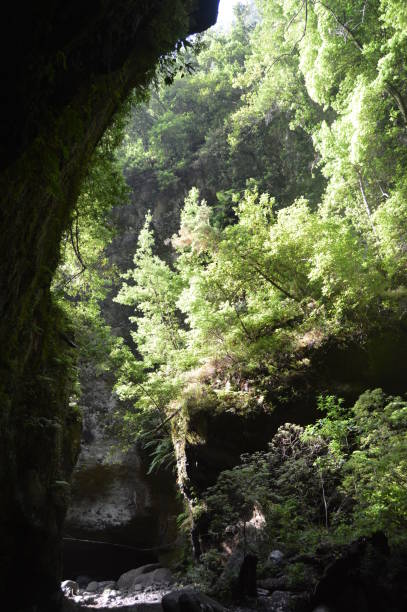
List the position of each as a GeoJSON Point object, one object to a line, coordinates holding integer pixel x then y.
{"type": "Point", "coordinates": [293, 18]}
{"type": "Point", "coordinates": [165, 421]}
{"type": "Point", "coordinates": [75, 244]}
{"type": "Point", "coordinates": [366, 203]}
{"type": "Point", "coordinates": [341, 24]}
{"type": "Point", "coordinates": [156, 404]}
{"type": "Point", "coordinates": [399, 100]}
{"type": "Point", "coordinates": [289, 53]}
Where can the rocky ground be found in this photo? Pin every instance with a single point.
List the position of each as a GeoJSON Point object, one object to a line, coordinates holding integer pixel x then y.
{"type": "Point", "coordinates": [152, 588]}
{"type": "Point", "coordinates": [112, 598]}
{"type": "Point", "coordinates": [363, 576]}
{"type": "Point", "coordinates": [144, 586]}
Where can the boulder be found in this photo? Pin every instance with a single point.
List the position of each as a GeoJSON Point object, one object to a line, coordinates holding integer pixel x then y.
{"type": "Point", "coordinates": [189, 600]}
{"type": "Point", "coordinates": [83, 581]}
{"type": "Point", "coordinates": [274, 584]}
{"type": "Point", "coordinates": [137, 587]}
{"type": "Point", "coordinates": [69, 588]}
{"type": "Point", "coordinates": [263, 592]}
{"type": "Point", "coordinates": [160, 576]}
{"type": "Point", "coordinates": [106, 585]}
{"type": "Point", "coordinates": [276, 556]}
{"type": "Point", "coordinates": [144, 607]}
{"type": "Point", "coordinates": [92, 587]}
{"type": "Point", "coordinates": [126, 580]}
{"type": "Point", "coordinates": [280, 601]}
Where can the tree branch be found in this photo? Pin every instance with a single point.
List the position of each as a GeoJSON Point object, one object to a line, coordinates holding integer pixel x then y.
{"type": "Point", "coordinates": [289, 53]}
{"type": "Point", "coordinates": [366, 203]}
{"type": "Point", "coordinates": [75, 244]}
{"type": "Point", "coordinates": [344, 27]}
{"type": "Point", "coordinates": [399, 100]}
{"type": "Point", "coordinates": [165, 421]}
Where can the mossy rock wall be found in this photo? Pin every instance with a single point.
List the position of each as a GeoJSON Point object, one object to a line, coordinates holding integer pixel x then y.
{"type": "Point", "coordinates": [209, 436]}
{"type": "Point", "coordinates": [68, 68]}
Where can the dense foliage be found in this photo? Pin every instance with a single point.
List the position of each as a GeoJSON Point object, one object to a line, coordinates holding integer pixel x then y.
{"type": "Point", "coordinates": [293, 128]}
{"type": "Point", "coordinates": [237, 300]}
{"type": "Point", "coordinates": [342, 477]}
{"type": "Point", "coordinates": [250, 289]}
{"type": "Point", "coordinates": [187, 135]}
{"type": "Point", "coordinates": [315, 490]}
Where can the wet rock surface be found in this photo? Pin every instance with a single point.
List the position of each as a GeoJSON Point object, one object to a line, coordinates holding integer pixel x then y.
{"type": "Point", "coordinates": [143, 587]}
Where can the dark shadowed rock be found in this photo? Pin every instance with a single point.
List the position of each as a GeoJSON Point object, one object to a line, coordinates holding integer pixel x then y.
{"type": "Point", "coordinates": [189, 600]}
{"type": "Point", "coordinates": [83, 581]}
{"type": "Point", "coordinates": [68, 67]}
{"type": "Point", "coordinates": [159, 577]}
{"type": "Point", "coordinates": [107, 585]}
{"type": "Point", "coordinates": [69, 587]}
{"type": "Point", "coordinates": [366, 577]}
{"type": "Point", "coordinates": [246, 583]}
{"type": "Point", "coordinates": [284, 601]}
{"type": "Point", "coordinates": [127, 580]}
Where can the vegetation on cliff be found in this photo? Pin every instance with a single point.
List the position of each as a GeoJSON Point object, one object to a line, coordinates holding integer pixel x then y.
{"type": "Point", "coordinates": [293, 126]}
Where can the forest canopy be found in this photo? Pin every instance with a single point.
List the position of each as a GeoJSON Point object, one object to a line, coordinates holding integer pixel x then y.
{"type": "Point", "coordinates": [257, 273]}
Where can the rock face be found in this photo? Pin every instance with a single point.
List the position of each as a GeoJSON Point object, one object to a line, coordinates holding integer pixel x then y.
{"type": "Point", "coordinates": [67, 66]}
{"type": "Point", "coordinates": [127, 579]}
{"type": "Point", "coordinates": [113, 500]}
{"type": "Point", "coordinates": [209, 440]}
{"type": "Point", "coordinates": [128, 219]}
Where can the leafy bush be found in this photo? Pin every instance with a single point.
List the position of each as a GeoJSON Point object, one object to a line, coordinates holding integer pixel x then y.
{"type": "Point", "coordinates": [342, 477]}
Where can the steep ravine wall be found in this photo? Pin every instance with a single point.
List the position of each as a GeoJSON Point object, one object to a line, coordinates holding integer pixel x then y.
{"type": "Point", "coordinates": [113, 499]}
{"type": "Point", "coordinates": [119, 515]}
{"type": "Point", "coordinates": [165, 206]}
{"type": "Point", "coordinates": [68, 67]}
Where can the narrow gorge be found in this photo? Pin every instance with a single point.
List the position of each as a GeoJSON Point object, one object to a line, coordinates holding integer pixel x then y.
{"type": "Point", "coordinates": [203, 307]}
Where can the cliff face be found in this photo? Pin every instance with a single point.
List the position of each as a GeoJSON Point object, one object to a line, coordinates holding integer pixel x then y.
{"type": "Point", "coordinates": [113, 500]}
{"type": "Point", "coordinates": [68, 67]}
{"type": "Point", "coordinates": [210, 437]}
